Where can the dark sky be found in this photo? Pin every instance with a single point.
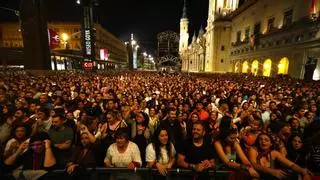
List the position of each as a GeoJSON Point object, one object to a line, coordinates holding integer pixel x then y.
{"type": "Point", "coordinates": [144, 18]}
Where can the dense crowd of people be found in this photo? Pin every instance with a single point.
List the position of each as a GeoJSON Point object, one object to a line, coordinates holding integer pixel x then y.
{"type": "Point", "coordinates": [261, 128]}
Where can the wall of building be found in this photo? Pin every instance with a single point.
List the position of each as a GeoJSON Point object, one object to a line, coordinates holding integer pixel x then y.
{"type": "Point", "coordinates": [11, 38]}
{"type": "Point", "coordinates": [263, 10]}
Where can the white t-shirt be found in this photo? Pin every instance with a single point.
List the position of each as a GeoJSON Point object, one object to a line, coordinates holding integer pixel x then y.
{"type": "Point", "coordinates": [151, 154]}
{"type": "Point", "coordinates": [132, 154]}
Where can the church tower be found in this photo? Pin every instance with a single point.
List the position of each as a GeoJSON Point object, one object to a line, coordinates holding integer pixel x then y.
{"type": "Point", "coordinates": [218, 8]}
{"type": "Point", "coordinates": [218, 33]}
{"type": "Point", "coordinates": [184, 35]}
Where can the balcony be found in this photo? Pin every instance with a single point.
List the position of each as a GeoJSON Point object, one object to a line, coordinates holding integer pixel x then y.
{"type": "Point", "coordinates": [302, 31]}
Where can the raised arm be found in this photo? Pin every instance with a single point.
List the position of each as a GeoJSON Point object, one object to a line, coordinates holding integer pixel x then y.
{"type": "Point", "coordinates": [49, 159]}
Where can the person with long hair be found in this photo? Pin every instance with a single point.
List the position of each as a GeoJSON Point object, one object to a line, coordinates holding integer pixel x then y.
{"type": "Point", "coordinates": [264, 159]}
{"type": "Point", "coordinates": [296, 150]}
{"type": "Point", "coordinates": [229, 150]}
{"type": "Point", "coordinates": [160, 153]}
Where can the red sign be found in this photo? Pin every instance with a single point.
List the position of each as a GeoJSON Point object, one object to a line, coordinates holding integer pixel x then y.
{"type": "Point", "coordinates": [87, 65]}
{"type": "Point", "coordinates": [54, 39]}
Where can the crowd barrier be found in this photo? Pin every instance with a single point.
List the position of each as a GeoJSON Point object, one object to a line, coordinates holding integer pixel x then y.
{"type": "Point", "coordinates": [134, 174]}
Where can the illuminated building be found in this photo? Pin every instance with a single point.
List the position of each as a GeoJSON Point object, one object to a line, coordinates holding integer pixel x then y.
{"type": "Point", "coordinates": [261, 37]}
{"type": "Point", "coordinates": [67, 55]}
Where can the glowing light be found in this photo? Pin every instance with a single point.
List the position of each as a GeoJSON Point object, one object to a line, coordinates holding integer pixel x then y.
{"type": "Point", "coordinates": [64, 36]}
{"type": "Point", "coordinates": [133, 42]}
{"type": "Point", "coordinates": [78, 1]}
{"type": "Point", "coordinates": [280, 66]}
{"type": "Point", "coordinates": [266, 66]}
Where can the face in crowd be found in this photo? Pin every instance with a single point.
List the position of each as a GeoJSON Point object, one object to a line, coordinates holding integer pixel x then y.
{"type": "Point", "coordinates": [163, 137]}
{"type": "Point", "coordinates": [264, 142]}
{"type": "Point", "coordinates": [198, 132]}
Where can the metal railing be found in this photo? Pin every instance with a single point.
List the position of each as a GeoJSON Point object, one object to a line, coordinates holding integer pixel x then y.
{"type": "Point", "coordinates": [135, 174]}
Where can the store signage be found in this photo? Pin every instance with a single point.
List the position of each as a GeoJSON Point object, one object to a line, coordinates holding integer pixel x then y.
{"type": "Point", "coordinates": [87, 65]}
{"type": "Point", "coordinates": [87, 37]}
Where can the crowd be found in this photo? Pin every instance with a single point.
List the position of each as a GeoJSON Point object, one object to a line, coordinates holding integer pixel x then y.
{"type": "Point", "coordinates": [261, 128]}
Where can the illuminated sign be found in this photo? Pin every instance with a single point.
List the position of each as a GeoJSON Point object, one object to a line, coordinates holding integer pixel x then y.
{"type": "Point", "coordinates": [104, 54]}
{"type": "Point", "coordinates": [87, 65]}
{"type": "Point", "coordinates": [54, 39]}
{"type": "Point", "coordinates": [87, 37]}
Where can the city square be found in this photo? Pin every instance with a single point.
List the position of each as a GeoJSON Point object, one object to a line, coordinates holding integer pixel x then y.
{"type": "Point", "coordinates": [214, 89]}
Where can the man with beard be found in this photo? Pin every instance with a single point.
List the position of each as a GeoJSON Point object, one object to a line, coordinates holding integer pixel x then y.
{"type": "Point", "coordinates": [197, 153]}
{"type": "Point", "coordinates": [61, 137]}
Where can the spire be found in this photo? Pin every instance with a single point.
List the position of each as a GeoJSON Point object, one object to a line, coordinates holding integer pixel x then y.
{"type": "Point", "coordinates": [184, 13]}
{"type": "Point", "coordinates": [201, 31]}
{"type": "Point", "coordinates": [194, 38]}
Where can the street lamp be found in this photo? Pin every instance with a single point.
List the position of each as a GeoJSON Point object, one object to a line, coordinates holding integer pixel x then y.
{"type": "Point", "coordinates": [65, 37]}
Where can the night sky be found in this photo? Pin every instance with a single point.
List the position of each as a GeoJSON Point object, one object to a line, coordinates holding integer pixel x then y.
{"type": "Point", "coordinates": [144, 18]}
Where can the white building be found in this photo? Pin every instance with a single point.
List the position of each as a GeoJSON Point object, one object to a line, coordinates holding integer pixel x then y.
{"type": "Point", "coordinates": [263, 37]}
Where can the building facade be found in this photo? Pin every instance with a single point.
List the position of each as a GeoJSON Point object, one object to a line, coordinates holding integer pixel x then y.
{"type": "Point", "coordinates": [110, 52]}
{"type": "Point", "coordinates": [261, 37]}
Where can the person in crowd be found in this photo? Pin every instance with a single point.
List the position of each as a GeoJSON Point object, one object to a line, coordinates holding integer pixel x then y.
{"type": "Point", "coordinates": [264, 159]}
{"type": "Point", "coordinates": [123, 153]}
{"type": "Point", "coordinates": [296, 151]}
{"type": "Point", "coordinates": [153, 120]}
{"type": "Point", "coordinates": [5, 131]}
{"type": "Point", "coordinates": [83, 156]}
{"type": "Point", "coordinates": [142, 133]}
{"type": "Point", "coordinates": [21, 135]}
{"type": "Point", "coordinates": [35, 157]}
{"type": "Point", "coordinates": [196, 153]}
{"type": "Point", "coordinates": [229, 150]}
{"type": "Point", "coordinates": [61, 137]}
{"type": "Point", "coordinates": [174, 127]}
{"type": "Point", "coordinates": [161, 153]}
{"type": "Point", "coordinates": [194, 117]}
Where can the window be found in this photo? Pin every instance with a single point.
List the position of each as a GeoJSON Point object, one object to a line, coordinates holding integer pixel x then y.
{"type": "Point", "coordinates": [270, 24]}
{"type": "Point", "coordinates": [247, 32]}
{"type": "Point", "coordinates": [222, 48]}
{"type": "Point", "coordinates": [287, 19]}
{"type": "Point", "coordinates": [221, 60]}
{"type": "Point", "coordinates": [238, 36]}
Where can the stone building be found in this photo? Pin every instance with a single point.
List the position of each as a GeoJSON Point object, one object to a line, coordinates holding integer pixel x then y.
{"type": "Point", "coordinates": [67, 54]}
{"type": "Point", "coordinates": [262, 37]}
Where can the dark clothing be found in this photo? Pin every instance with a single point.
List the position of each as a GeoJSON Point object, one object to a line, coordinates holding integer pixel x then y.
{"type": "Point", "coordinates": [59, 137]}
{"type": "Point", "coordinates": [88, 160]}
{"type": "Point", "coordinates": [194, 154]}
{"type": "Point", "coordinates": [31, 161]}
{"type": "Point", "coordinates": [175, 130]}
{"type": "Point", "coordinates": [142, 143]}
